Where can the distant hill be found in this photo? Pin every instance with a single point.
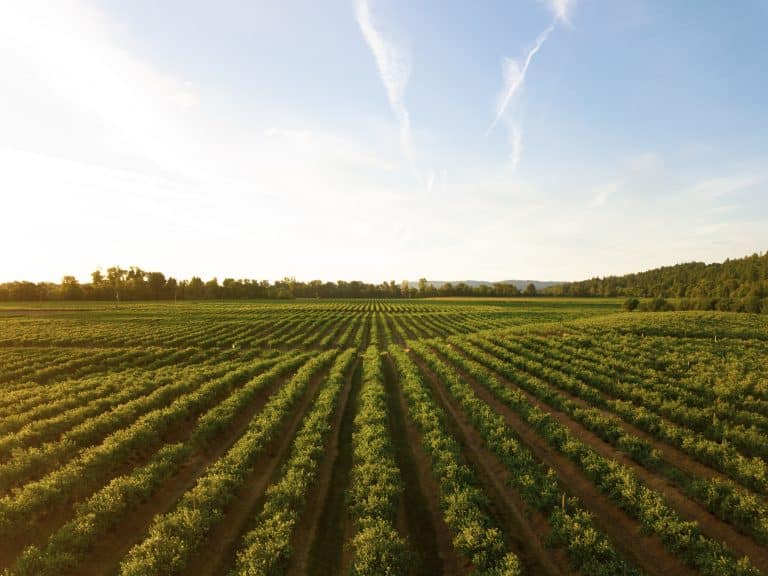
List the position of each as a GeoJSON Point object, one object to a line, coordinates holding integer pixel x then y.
{"type": "Point", "coordinates": [519, 284]}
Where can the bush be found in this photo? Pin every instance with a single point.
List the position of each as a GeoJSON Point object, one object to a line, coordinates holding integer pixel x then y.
{"type": "Point", "coordinates": [631, 304]}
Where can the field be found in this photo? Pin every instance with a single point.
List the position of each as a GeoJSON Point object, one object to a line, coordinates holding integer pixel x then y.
{"type": "Point", "coordinates": [423, 437]}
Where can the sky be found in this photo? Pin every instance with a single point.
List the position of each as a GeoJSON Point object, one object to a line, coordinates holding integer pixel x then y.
{"type": "Point", "coordinates": [381, 139]}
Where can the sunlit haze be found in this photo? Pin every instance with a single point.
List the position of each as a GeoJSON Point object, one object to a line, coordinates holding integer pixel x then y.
{"type": "Point", "coordinates": [378, 140]}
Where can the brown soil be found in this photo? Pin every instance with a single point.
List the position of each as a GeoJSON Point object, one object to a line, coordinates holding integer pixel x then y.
{"type": "Point", "coordinates": [306, 531]}
{"type": "Point", "coordinates": [104, 558]}
{"type": "Point", "coordinates": [645, 551]}
{"type": "Point", "coordinates": [419, 514]}
{"type": "Point", "coordinates": [218, 554]}
{"type": "Point", "coordinates": [59, 514]}
{"type": "Point", "coordinates": [396, 337]}
{"type": "Point", "coordinates": [327, 551]}
{"type": "Point", "coordinates": [524, 528]}
{"type": "Point", "coordinates": [688, 508]}
{"type": "Point", "coordinates": [670, 454]}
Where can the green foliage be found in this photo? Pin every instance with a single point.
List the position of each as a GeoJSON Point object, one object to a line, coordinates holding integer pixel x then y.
{"type": "Point", "coordinates": [631, 304]}
{"type": "Point", "coordinates": [174, 536]}
{"type": "Point", "coordinates": [102, 407]}
{"type": "Point", "coordinates": [375, 486]}
{"type": "Point", "coordinates": [464, 506]}
{"type": "Point", "coordinates": [266, 548]}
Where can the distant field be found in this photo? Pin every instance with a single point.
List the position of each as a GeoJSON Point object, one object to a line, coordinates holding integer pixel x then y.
{"type": "Point", "coordinates": [441, 436]}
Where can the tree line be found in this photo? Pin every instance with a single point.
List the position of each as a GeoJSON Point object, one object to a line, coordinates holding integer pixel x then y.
{"type": "Point", "coordinates": [136, 284]}
{"type": "Point", "coordinates": [739, 285]}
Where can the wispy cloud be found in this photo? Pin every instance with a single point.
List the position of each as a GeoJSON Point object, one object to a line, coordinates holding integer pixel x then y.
{"type": "Point", "coordinates": [394, 68]}
{"type": "Point", "coordinates": [718, 187]}
{"type": "Point", "coordinates": [430, 182]}
{"type": "Point", "coordinates": [514, 72]}
{"type": "Point", "coordinates": [514, 76]}
{"type": "Point", "coordinates": [560, 9]}
{"type": "Point", "coordinates": [603, 193]}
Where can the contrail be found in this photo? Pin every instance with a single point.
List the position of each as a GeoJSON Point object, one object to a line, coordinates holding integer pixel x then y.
{"type": "Point", "coordinates": [560, 9]}
{"type": "Point", "coordinates": [394, 69]}
{"type": "Point", "coordinates": [514, 76]}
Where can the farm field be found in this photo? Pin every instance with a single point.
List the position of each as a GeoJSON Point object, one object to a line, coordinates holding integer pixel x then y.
{"type": "Point", "coordinates": [444, 436]}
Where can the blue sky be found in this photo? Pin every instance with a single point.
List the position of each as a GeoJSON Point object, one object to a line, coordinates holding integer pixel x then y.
{"type": "Point", "coordinates": [377, 139]}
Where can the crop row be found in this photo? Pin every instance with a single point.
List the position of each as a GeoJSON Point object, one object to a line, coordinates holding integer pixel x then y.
{"type": "Point", "coordinates": [377, 547]}
{"type": "Point", "coordinates": [572, 527]}
{"type": "Point", "coordinates": [618, 482]}
{"type": "Point", "coordinates": [266, 547]}
{"type": "Point", "coordinates": [463, 503]}
{"type": "Point", "coordinates": [620, 398]}
{"type": "Point", "coordinates": [20, 508]}
{"type": "Point", "coordinates": [722, 498]}
{"type": "Point", "coordinates": [174, 536]}
{"type": "Point", "coordinates": [108, 506]}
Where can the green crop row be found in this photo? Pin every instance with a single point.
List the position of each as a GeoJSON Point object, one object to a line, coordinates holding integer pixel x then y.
{"type": "Point", "coordinates": [618, 482]}
{"type": "Point", "coordinates": [375, 485]}
{"type": "Point", "coordinates": [573, 529]}
{"type": "Point", "coordinates": [464, 505]}
{"type": "Point", "coordinates": [267, 547]}
{"type": "Point", "coordinates": [174, 536]}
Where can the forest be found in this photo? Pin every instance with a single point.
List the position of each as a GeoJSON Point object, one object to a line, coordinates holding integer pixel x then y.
{"type": "Point", "coordinates": [737, 285]}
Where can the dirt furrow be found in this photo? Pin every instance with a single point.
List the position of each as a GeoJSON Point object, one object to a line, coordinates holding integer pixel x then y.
{"type": "Point", "coordinates": [106, 556]}
{"type": "Point", "coordinates": [218, 554]}
{"type": "Point", "coordinates": [419, 513]}
{"type": "Point", "coordinates": [645, 551]}
{"type": "Point", "coordinates": [326, 553]}
{"type": "Point", "coordinates": [689, 509]}
{"type": "Point", "coordinates": [525, 529]}
{"type": "Point", "coordinates": [309, 526]}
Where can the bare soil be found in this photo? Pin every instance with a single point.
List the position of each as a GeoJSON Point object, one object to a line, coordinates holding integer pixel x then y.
{"type": "Point", "coordinates": [327, 550]}
{"type": "Point", "coordinates": [419, 512]}
{"type": "Point", "coordinates": [525, 529]}
{"type": "Point", "coordinates": [306, 532]}
{"type": "Point", "coordinates": [688, 508]}
{"type": "Point", "coordinates": [105, 557]}
{"type": "Point", "coordinates": [645, 551]}
{"type": "Point", "coordinates": [218, 554]}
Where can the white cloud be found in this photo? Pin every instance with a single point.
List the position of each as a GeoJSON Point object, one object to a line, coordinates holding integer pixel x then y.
{"type": "Point", "coordinates": [560, 9]}
{"type": "Point", "coordinates": [514, 76]}
{"type": "Point", "coordinates": [602, 193]}
{"type": "Point", "coordinates": [717, 187]}
{"type": "Point", "coordinates": [514, 73]}
{"type": "Point", "coordinates": [394, 68]}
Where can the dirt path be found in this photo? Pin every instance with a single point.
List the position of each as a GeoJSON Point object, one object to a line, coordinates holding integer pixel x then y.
{"type": "Point", "coordinates": [306, 532]}
{"type": "Point", "coordinates": [217, 556]}
{"type": "Point", "coordinates": [105, 557]}
{"type": "Point", "coordinates": [524, 528]}
{"type": "Point", "coordinates": [688, 508]}
{"type": "Point", "coordinates": [647, 552]}
{"type": "Point", "coordinates": [419, 513]}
